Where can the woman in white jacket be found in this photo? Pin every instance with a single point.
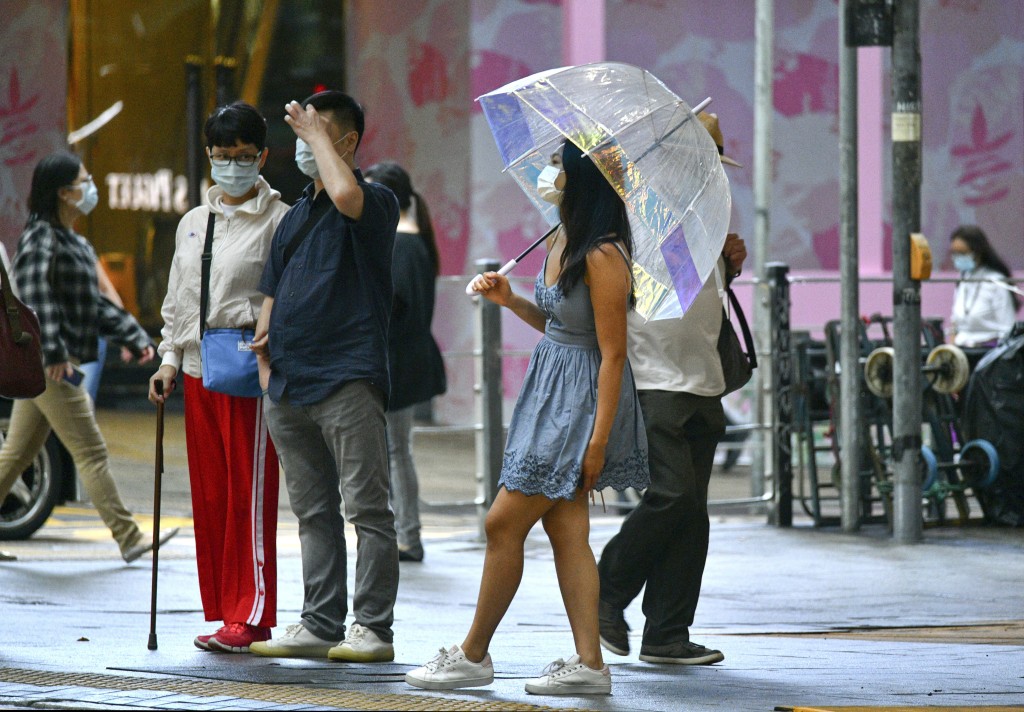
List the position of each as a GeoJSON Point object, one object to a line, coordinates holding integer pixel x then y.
{"type": "Point", "coordinates": [984, 308]}
{"type": "Point", "coordinates": [233, 466]}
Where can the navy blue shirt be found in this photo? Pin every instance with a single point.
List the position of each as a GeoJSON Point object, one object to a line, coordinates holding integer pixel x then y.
{"type": "Point", "coordinates": [332, 303]}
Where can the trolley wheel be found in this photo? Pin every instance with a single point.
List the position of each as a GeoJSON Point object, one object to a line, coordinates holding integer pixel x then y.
{"type": "Point", "coordinates": [979, 463]}
{"type": "Point", "coordinates": [878, 371]}
{"type": "Point", "coordinates": [947, 368]}
{"type": "Point", "coordinates": [931, 468]}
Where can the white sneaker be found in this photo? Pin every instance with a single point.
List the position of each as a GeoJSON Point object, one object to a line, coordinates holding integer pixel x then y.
{"type": "Point", "coordinates": [362, 645]}
{"type": "Point", "coordinates": [297, 642]}
{"type": "Point", "coordinates": [450, 670]}
{"type": "Point", "coordinates": [145, 545]}
{"type": "Point", "coordinates": [571, 677]}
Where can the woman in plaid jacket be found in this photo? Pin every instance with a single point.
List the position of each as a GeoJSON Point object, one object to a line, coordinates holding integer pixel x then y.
{"type": "Point", "coordinates": [55, 269]}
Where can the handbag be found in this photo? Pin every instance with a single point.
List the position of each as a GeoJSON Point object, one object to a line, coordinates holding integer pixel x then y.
{"type": "Point", "coordinates": [228, 361]}
{"type": "Point", "coordinates": [21, 355]}
{"type": "Point", "coordinates": [737, 366]}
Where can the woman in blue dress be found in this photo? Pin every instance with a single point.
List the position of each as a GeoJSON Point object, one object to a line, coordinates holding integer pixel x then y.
{"type": "Point", "coordinates": [576, 428]}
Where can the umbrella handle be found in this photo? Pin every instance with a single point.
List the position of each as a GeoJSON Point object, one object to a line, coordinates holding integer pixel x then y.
{"type": "Point", "coordinates": [505, 269]}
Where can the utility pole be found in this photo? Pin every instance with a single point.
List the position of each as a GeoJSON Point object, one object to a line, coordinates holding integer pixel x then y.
{"type": "Point", "coordinates": [849, 352]}
{"type": "Point", "coordinates": [906, 219]}
{"type": "Point", "coordinates": [763, 109]}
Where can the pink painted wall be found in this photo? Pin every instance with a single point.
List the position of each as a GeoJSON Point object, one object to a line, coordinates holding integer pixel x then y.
{"type": "Point", "coordinates": [973, 162]}
{"type": "Point", "coordinates": [33, 80]}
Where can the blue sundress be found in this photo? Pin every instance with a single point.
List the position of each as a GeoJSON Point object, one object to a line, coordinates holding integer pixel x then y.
{"type": "Point", "coordinates": [554, 416]}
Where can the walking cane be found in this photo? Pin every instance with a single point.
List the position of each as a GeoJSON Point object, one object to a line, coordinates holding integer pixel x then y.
{"type": "Point", "coordinates": [159, 471]}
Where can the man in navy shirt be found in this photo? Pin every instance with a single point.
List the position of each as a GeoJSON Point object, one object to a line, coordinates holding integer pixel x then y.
{"type": "Point", "coordinates": [322, 339]}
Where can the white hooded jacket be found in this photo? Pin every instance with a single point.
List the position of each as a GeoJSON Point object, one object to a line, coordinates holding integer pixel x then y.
{"type": "Point", "coordinates": [241, 244]}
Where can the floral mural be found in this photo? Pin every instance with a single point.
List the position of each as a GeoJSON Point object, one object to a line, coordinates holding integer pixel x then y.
{"type": "Point", "coordinates": [32, 102]}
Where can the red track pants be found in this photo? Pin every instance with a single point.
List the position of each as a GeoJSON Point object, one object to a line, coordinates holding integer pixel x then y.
{"type": "Point", "coordinates": [233, 468]}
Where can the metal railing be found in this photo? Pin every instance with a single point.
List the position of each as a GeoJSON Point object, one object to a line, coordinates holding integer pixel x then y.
{"type": "Point", "coordinates": [772, 441]}
{"type": "Point", "coordinates": [489, 427]}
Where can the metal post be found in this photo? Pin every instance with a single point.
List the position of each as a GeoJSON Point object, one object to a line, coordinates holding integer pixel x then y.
{"type": "Point", "coordinates": [906, 219]}
{"type": "Point", "coordinates": [763, 75]}
{"type": "Point", "coordinates": [849, 377]}
{"type": "Point", "coordinates": [781, 376]}
{"type": "Point", "coordinates": [490, 433]}
{"type": "Point", "coordinates": [224, 71]}
{"type": "Point", "coordinates": [193, 128]}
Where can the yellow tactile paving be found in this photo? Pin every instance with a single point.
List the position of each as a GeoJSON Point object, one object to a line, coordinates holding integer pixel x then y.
{"type": "Point", "coordinates": [889, 708]}
{"type": "Point", "coordinates": [277, 694]}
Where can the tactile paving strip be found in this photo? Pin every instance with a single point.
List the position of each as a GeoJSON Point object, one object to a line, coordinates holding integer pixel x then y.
{"type": "Point", "coordinates": [279, 694]}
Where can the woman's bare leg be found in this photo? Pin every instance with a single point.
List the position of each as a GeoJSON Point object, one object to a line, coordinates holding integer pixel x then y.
{"type": "Point", "coordinates": [568, 527]}
{"type": "Point", "coordinates": [509, 521]}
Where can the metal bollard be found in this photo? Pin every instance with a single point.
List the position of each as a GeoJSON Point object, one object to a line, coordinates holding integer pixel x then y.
{"type": "Point", "coordinates": [490, 435]}
{"type": "Point", "coordinates": [782, 389]}
{"type": "Point", "coordinates": [195, 167]}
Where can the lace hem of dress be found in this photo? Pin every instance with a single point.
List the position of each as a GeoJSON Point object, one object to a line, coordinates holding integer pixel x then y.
{"type": "Point", "coordinates": [531, 475]}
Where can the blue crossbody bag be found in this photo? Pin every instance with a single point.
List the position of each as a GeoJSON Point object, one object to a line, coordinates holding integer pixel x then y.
{"type": "Point", "coordinates": [229, 363]}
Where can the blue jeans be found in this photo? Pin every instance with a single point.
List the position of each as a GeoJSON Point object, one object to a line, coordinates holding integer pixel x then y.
{"type": "Point", "coordinates": [340, 441]}
{"type": "Point", "coordinates": [94, 370]}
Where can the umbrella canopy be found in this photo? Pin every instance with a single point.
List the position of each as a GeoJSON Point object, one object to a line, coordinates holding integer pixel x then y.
{"type": "Point", "coordinates": [649, 146]}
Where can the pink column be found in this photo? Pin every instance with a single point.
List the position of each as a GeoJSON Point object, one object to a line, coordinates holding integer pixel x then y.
{"type": "Point", "coordinates": [871, 147]}
{"type": "Point", "coordinates": [583, 31]}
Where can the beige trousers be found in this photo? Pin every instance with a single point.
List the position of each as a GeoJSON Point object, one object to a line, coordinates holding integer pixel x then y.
{"type": "Point", "coordinates": [68, 411]}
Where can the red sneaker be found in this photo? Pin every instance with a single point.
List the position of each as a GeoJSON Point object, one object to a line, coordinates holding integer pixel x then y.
{"type": "Point", "coordinates": [203, 641]}
{"type": "Point", "coordinates": [236, 637]}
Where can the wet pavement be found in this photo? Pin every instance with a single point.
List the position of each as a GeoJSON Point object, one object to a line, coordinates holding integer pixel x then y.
{"type": "Point", "coordinates": [807, 618]}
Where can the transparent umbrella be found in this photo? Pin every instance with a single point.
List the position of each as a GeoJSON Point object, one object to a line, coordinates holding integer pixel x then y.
{"type": "Point", "coordinates": [648, 144]}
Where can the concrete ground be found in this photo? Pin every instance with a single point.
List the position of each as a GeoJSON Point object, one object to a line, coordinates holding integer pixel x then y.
{"type": "Point", "coordinates": [807, 618]}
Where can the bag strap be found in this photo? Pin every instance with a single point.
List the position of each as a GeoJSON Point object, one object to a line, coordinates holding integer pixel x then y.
{"type": "Point", "coordinates": [747, 338]}
{"type": "Point", "coordinates": [319, 209]}
{"type": "Point", "coordinates": [207, 258]}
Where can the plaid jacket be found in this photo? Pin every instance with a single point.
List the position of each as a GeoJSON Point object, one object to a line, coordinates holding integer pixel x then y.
{"type": "Point", "coordinates": [56, 274]}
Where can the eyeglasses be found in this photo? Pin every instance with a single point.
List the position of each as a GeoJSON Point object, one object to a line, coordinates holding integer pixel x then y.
{"type": "Point", "coordinates": [79, 182]}
{"type": "Point", "coordinates": [243, 161]}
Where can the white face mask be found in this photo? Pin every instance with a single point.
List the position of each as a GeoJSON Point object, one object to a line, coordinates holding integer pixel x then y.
{"type": "Point", "coordinates": [547, 184]}
{"type": "Point", "coordinates": [306, 162]}
{"type": "Point", "coordinates": [304, 159]}
{"type": "Point", "coordinates": [235, 180]}
{"type": "Point", "coordinates": [90, 197]}
{"type": "Point", "coordinates": [963, 263]}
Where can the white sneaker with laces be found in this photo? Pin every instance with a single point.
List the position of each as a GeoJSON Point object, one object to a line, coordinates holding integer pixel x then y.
{"type": "Point", "coordinates": [450, 670]}
{"type": "Point", "coordinates": [571, 677]}
{"type": "Point", "coordinates": [362, 645]}
{"type": "Point", "coordinates": [297, 642]}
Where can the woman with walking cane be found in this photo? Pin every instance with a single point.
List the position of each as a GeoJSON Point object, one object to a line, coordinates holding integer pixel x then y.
{"type": "Point", "coordinates": [232, 463]}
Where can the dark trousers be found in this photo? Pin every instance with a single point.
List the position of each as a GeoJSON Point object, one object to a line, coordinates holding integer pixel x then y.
{"type": "Point", "coordinates": [663, 543]}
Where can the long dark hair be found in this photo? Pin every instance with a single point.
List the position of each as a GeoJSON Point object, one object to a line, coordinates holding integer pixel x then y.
{"type": "Point", "coordinates": [56, 171]}
{"type": "Point", "coordinates": [592, 214]}
{"type": "Point", "coordinates": [395, 177]}
{"type": "Point", "coordinates": [984, 253]}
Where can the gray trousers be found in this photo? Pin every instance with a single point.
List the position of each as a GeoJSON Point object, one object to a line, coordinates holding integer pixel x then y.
{"type": "Point", "coordinates": [405, 487]}
{"type": "Point", "coordinates": [663, 543]}
{"type": "Point", "coordinates": [340, 442]}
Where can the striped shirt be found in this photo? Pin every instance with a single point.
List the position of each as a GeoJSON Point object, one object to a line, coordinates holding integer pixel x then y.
{"type": "Point", "coordinates": [55, 269]}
